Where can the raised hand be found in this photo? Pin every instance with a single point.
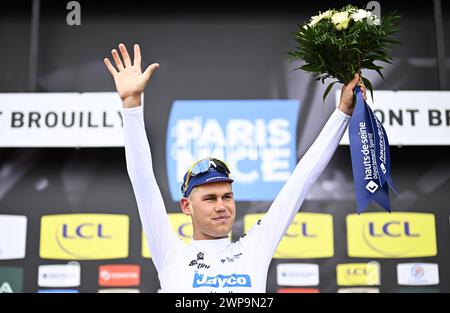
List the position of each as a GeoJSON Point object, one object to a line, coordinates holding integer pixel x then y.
{"type": "Point", "coordinates": [347, 103]}
{"type": "Point", "coordinates": [129, 79]}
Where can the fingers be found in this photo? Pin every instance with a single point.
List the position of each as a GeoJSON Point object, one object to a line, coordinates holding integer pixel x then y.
{"type": "Point", "coordinates": [357, 81]}
{"type": "Point", "coordinates": [150, 69]}
{"type": "Point", "coordinates": [110, 67]}
{"type": "Point", "coordinates": [125, 55]}
{"type": "Point", "coordinates": [137, 56]}
{"type": "Point", "coordinates": [363, 90]}
{"type": "Point", "coordinates": [352, 84]}
{"type": "Point", "coordinates": [117, 59]}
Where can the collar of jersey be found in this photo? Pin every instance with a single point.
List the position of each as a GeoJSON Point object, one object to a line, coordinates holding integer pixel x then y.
{"type": "Point", "coordinates": [211, 243]}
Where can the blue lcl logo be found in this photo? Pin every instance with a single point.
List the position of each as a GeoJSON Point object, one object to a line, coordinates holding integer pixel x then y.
{"type": "Point", "coordinates": [182, 232]}
{"type": "Point", "coordinates": [392, 229]}
{"type": "Point", "coordinates": [303, 231]}
{"type": "Point", "coordinates": [84, 231]}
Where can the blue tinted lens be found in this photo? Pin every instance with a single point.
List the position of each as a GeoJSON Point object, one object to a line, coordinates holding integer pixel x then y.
{"type": "Point", "coordinates": [200, 167]}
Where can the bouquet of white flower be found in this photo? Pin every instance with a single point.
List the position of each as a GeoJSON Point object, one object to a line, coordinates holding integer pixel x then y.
{"type": "Point", "coordinates": [339, 43]}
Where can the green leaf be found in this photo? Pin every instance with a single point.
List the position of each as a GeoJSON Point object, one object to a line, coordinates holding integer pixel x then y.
{"type": "Point", "coordinates": [328, 53]}
{"type": "Point", "coordinates": [327, 91]}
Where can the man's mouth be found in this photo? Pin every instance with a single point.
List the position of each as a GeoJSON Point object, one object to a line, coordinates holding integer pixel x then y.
{"type": "Point", "coordinates": [222, 218]}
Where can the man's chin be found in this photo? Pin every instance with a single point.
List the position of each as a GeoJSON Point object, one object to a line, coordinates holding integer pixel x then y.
{"type": "Point", "coordinates": [220, 235]}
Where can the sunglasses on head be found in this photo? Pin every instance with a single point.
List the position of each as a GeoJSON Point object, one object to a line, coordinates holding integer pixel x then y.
{"type": "Point", "coordinates": [202, 166]}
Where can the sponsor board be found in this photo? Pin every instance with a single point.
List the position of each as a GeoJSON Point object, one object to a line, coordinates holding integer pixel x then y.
{"type": "Point", "coordinates": [416, 118]}
{"type": "Point", "coordinates": [67, 275]}
{"type": "Point", "coordinates": [119, 290]}
{"type": "Point", "coordinates": [58, 291]}
{"type": "Point", "coordinates": [298, 290]}
{"type": "Point", "coordinates": [310, 235]}
{"type": "Point", "coordinates": [11, 279]}
{"type": "Point", "coordinates": [296, 274]}
{"type": "Point", "coordinates": [84, 236]}
{"type": "Point", "coordinates": [394, 235]}
{"type": "Point", "coordinates": [181, 225]}
{"type": "Point", "coordinates": [417, 274]}
{"type": "Point", "coordinates": [421, 289]}
{"type": "Point", "coordinates": [61, 119]}
{"type": "Point", "coordinates": [359, 290]}
{"type": "Point", "coordinates": [121, 275]}
{"type": "Point", "coordinates": [257, 138]}
{"type": "Point", "coordinates": [13, 235]}
{"type": "Point", "coordinates": [358, 274]}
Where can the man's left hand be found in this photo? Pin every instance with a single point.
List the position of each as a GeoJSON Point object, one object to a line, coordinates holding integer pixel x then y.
{"type": "Point", "coordinates": [346, 103]}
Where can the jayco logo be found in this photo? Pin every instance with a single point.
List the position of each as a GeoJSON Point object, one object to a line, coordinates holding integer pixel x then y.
{"type": "Point", "coordinates": [221, 281]}
{"type": "Point", "coordinates": [255, 137]}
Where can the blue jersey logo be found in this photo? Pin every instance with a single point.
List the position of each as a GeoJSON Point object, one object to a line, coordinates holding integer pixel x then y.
{"type": "Point", "coordinates": [221, 281]}
{"type": "Point", "coordinates": [257, 139]}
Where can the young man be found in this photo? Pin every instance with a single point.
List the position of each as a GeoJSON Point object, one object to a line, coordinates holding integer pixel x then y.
{"type": "Point", "coordinates": [211, 262]}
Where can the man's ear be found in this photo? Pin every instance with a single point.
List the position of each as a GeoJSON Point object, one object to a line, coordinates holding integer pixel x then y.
{"type": "Point", "coordinates": [185, 206]}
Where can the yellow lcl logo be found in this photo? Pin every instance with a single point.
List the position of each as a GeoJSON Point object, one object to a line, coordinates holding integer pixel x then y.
{"type": "Point", "coordinates": [84, 236]}
{"type": "Point", "coordinates": [181, 225]}
{"type": "Point", "coordinates": [394, 235]}
{"type": "Point", "coordinates": [358, 274]}
{"type": "Point", "coordinates": [310, 235]}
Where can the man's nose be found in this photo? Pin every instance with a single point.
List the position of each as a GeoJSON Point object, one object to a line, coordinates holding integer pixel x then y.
{"type": "Point", "coordinates": [220, 205]}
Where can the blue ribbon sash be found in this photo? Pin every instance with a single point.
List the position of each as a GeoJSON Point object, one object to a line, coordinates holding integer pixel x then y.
{"type": "Point", "coordinates": [369, 149]}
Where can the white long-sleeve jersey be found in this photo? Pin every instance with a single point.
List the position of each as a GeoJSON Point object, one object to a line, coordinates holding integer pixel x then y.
{"type": "Point", "coordinates": [219, 265]}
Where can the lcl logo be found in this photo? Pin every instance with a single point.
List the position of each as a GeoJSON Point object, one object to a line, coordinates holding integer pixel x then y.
{"type": "Point", "coordinates": [392, 229]}
{"type": "Point", "coordinates": [184, 231]}
{"type": "Point", "coordinates": [299, 229]}
{"type": "Point", "coordinates": [357, 271]}
{"type": "Point", "coordinates": [84, 231]}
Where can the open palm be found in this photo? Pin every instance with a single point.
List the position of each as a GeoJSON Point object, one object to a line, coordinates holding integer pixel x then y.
{"type": "Point", "coordinates": [129, 79]}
